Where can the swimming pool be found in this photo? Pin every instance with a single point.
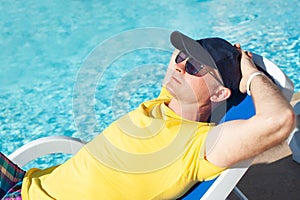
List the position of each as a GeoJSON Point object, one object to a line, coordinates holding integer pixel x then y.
{"type": "Point", "coordinates": [47, 48]}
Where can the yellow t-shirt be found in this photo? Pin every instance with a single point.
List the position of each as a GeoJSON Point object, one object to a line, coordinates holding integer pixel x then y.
{"type": "Point", "coordinates": [150, 153]}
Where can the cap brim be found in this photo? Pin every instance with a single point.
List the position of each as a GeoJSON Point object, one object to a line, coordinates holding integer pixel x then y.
{"type": "Point", "coordinates": [192, 48]}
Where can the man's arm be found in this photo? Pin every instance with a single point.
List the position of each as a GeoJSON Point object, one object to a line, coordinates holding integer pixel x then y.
{"type": "Point", "coordinates": [274, 120]}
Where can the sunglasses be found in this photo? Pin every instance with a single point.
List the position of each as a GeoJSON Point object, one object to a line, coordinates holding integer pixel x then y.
{"type": "Point", "coordinates": [193, 67]}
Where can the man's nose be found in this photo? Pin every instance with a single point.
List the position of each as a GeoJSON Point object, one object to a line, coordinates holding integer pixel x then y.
{"type": "Point", "coordinates": [180, 67]}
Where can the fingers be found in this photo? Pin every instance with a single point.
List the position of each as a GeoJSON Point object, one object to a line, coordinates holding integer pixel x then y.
{"type": "Point", "coordinates": [238, 46]}
{"type": "Point", "coordinates": [248, 53]}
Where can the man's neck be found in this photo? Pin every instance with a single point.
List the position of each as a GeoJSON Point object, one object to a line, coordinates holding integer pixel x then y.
{"type": "Point", "coordinates": [194, 112]}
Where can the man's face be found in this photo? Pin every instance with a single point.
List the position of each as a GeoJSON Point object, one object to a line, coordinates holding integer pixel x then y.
{"type": "Point", "coordinates": [189, 88]}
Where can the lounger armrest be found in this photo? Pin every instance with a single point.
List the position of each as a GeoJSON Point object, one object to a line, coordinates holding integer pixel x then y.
{"type": "Point", "coordinates": [294, 144]}
{"type": "Point", "coordinates": [294, 139]}
{"type": "Point", "coordinates": [226, 181]}
{"type": "Point", "coordinates": [45, 146]}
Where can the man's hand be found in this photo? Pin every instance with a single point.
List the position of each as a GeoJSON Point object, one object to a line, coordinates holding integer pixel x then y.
{"type": "Point", "coordinates": [247, 67]}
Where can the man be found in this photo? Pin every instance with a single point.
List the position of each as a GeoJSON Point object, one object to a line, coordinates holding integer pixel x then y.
{"type": "Point", "coordinates": [166, 145]}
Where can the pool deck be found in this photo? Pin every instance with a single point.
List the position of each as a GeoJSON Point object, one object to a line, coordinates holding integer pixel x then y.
{"type": "Point", "coordinates": [274, 175]}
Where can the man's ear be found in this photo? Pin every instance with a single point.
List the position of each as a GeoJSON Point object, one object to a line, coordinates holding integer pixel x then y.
{"type": "Point", "coordinates": [221, 93]}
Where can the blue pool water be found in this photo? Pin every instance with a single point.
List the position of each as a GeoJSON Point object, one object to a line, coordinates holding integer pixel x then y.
{"type": "Point", "coordinates": [66, 69]}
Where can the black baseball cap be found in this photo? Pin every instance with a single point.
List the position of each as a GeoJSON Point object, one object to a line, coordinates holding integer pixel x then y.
{"type": "Point", "coordinates": [213, 52]}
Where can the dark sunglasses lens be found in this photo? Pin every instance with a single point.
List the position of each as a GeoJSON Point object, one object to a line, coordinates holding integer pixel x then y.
{"type": "Point", "coordinates": [180, 57]}
{"type": "Point", "coordinates": [193, 67]}
{"type": "Point", "coordinates": [189, 68]}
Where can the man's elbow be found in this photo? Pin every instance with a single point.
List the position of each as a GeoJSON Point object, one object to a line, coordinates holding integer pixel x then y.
{"type": "Point", "coordinates": [285, 124]}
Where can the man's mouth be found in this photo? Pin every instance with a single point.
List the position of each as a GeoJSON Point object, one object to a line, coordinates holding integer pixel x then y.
{"type": "Point", "coordinates": [176, 79]}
